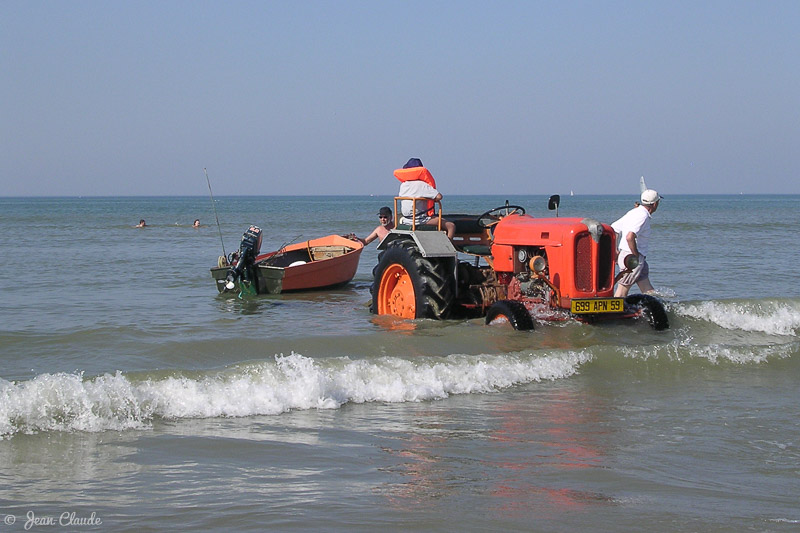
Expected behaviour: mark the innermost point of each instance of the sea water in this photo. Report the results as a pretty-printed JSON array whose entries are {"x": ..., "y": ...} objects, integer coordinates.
[{"x": 134, "y": 397}]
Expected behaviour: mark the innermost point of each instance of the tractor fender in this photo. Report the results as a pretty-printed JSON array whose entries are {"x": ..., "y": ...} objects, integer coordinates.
[{"x": 429, "y": 243}]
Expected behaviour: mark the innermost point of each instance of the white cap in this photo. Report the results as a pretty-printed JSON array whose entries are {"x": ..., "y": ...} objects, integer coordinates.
[{"x": 649, "y": 197}]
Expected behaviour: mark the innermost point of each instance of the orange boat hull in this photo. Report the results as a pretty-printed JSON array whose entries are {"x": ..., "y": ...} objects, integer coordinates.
[{"x": 314, "y": 264}]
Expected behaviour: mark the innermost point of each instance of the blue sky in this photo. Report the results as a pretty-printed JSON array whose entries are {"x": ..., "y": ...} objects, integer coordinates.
[{"x": 329, "y": 97}]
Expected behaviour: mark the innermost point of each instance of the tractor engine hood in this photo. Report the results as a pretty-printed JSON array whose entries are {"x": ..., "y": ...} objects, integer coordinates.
[{"x": 525, "y": 230}]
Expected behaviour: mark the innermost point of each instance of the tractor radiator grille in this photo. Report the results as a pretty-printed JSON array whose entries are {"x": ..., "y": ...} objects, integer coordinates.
[
  {"x": 605, "y": 263},
  {"x": 593, "y": 263},
  {"x": 583, "y": 262}
]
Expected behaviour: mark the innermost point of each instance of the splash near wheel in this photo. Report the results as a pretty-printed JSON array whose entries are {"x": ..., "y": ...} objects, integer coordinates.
[
  {"x": 651, "y": 308},
  {"x": 407, "y": 285},
  {"x": 509, "y": 312}
]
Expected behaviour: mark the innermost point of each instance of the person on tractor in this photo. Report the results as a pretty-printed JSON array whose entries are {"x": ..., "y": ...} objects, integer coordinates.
[
  {"x": 416, "y": 181},
  {"x": 634, "y": 231}
]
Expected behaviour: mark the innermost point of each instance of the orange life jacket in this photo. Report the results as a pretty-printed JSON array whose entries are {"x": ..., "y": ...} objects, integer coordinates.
[{"x": 418, "y": 174}]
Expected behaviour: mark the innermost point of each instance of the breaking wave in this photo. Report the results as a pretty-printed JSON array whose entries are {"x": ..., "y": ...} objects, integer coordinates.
[
  {"x": 774, "y": 317},
  {"x": 685, "y": 349},
  {"x": 69, "y": 402}
]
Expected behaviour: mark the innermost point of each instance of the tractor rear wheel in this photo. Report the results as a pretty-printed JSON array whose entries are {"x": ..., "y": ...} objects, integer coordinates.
[
  {"x": 652, "y": 309},
  {"x": 408, "y": 285},
  {"x": 511, "y": 312}
]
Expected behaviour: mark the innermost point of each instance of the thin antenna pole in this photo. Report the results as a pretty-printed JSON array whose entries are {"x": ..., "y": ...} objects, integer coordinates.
[{"x": 214, "y": 205}]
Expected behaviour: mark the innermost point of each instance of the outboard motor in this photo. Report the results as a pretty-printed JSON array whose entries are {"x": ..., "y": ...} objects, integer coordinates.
[{"x": 248, "y": 251}]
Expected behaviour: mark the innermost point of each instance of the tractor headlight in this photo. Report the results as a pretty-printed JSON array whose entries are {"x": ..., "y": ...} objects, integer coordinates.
[{"x": 538, "y": 264}]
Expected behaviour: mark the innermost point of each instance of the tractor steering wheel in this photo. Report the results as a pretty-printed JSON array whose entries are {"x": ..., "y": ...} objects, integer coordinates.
[{"x": 493, "y": 216}]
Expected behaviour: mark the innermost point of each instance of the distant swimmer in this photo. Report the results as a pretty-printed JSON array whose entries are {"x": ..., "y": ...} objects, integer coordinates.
[
  {"x": 141, "y": 224},
  {"x": 196, "y": 223}
]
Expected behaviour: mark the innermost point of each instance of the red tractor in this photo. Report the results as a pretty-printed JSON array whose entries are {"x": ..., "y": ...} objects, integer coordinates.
[{"x": 505, "y": 265}]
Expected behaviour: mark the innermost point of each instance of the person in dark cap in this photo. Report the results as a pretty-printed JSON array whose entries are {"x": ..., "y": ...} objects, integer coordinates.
[{"x": 386, "y": 225}]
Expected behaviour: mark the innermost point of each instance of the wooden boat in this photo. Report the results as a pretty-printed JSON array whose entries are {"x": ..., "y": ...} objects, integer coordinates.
[{"x": 314, "y": 264}]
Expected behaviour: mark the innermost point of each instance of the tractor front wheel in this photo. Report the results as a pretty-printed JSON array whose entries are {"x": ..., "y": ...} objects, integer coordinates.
[
  {"x": 511, "y": 312},
  {"x": 652, "y": 309}
]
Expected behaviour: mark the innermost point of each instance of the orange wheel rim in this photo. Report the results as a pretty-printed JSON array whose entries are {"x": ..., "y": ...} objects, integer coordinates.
[
  {"x": 500, "y": 319},
  {"x": 396, "y": 293}
]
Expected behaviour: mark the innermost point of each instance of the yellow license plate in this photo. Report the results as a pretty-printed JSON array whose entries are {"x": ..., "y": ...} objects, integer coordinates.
[{"x": 581, "y": 306}]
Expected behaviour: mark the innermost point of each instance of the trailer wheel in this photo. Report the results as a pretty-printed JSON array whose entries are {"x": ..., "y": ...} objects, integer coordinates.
[
  {"x": 407, "y": 285},
  {"x": 512, "y": 312},
  {"x": 652, "y": 309}
]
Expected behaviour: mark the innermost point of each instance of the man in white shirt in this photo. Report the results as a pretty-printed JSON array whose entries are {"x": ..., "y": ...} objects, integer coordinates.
[
  {"x": 634, "y": 231},
  {"x": 417, "y": 189}
]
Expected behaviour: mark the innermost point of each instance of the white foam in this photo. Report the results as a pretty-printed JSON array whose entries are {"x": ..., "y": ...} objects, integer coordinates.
[
  {"x": 686, "y": 348},
  {"x": 68, "y": 402},
  {"x": 775, "y": 318}
]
